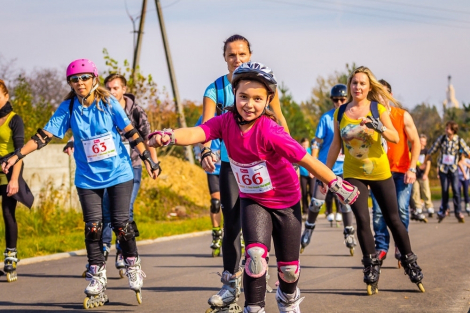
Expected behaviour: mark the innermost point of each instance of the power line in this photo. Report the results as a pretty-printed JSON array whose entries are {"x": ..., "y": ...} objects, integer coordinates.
[
  {"x": 364, "y": 14},
  {"x": 422, "y": 6}
]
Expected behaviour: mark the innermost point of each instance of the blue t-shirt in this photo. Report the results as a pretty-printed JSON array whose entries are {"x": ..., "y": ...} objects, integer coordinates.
[
  {"x": 229, "y": 100},
  {"x": 91, "y": 123},
  {"x": 303, "y": 170},
  {"x": 325, "y": 131},
  {"x": 215, "y": 147}
]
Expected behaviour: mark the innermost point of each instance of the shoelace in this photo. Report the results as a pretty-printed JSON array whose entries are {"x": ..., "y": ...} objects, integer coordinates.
[{"x": 133, "y": 271}]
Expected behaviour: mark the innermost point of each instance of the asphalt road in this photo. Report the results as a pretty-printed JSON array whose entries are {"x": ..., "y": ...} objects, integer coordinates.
[{"x": 181, "y": 276}]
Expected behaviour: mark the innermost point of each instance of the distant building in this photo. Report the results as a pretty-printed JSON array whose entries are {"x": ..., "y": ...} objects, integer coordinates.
[{"x": 450, "y": 102}]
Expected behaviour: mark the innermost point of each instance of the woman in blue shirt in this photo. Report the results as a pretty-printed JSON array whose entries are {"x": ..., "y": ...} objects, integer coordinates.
[{"x": 101, "y": 163}]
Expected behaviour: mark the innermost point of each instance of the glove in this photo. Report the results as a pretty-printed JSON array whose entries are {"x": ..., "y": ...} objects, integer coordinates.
[
  {"x": 205, "y": 152},
  {"x": 68, "y": 145},
  {"x": 375, "y": 124},
  {"x": 346, "y": 192}
]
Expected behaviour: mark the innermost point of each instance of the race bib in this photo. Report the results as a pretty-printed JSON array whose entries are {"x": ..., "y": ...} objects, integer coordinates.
[
  {"x": 421, "y": 158},
  {"x": 99, "y": 148},
  {"x": 252, "y": 178},
  {"x": 448, "y": 159}
]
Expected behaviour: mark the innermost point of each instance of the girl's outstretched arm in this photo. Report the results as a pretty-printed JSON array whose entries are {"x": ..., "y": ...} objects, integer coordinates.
[
  {"x": 181, "y": 137},
  {"x": 317, "y": 168}
]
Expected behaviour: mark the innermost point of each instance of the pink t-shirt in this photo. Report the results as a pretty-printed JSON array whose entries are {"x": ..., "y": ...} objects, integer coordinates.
[{"x": 265, "y": 141}]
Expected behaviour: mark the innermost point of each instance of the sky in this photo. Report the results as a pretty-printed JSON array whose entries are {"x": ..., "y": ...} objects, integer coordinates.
[{"x": 413, "y": 45}]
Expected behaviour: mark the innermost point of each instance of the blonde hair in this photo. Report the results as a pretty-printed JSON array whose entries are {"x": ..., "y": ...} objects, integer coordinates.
[
  {"x": 100, "y": 93},
  {"x": 3, "y": 87},
  {"x": 378, "y": 91}
]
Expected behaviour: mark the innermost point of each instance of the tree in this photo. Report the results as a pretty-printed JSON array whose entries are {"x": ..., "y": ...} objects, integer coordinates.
[{"x": 298, "y": 125}]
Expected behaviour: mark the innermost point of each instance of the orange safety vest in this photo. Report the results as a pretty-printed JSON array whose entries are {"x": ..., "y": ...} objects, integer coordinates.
[{"x": 399, "y": 154}]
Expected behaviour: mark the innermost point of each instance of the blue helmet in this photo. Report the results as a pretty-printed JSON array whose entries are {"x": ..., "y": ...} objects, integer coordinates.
[{"x": 339, "y": 91}]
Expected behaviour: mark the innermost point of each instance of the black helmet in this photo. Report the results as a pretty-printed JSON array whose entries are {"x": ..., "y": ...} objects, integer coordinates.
[
  {"x": 339, "y": 91},
  {"x": 255, "y": 70}
]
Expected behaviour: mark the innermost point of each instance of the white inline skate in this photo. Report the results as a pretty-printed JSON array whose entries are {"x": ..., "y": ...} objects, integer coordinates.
[
  {"x": 349, "y": 239},
  {"x": 96, "y": 297},
  {"x": 136, "y": 276},
  {"x": 225, "y": 300},
  {"x": 288, "y": 303}
]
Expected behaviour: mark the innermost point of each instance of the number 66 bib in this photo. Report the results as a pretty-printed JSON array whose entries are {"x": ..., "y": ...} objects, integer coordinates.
[
  {"x": 99, "y": 148},
  {"x": 253, "y": 177}
]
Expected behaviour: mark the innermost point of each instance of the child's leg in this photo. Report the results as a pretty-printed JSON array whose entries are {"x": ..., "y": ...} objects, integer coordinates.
[{"x": 257, "y": 229}]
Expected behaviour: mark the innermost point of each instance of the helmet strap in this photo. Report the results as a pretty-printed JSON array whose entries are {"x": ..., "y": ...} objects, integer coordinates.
[{"x": 89, "y": 94}]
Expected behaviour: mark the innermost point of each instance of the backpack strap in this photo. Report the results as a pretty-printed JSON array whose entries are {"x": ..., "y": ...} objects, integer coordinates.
[
  {"x": 71, "y": 110},
  {"x": 341, "y": 111},
  {"x": 374, "y": 109},
  {"x": 220, "y": 95}
]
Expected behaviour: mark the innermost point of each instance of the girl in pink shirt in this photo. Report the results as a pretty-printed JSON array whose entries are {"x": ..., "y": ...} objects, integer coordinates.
[{"x": 261, "y": 155}]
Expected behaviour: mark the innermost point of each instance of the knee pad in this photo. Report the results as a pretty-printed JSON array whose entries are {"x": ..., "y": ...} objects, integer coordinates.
[
  {"x": 124, "y": 231},
  {"x": 345, "y": 208},
  {"x": 93, "y": 231},
  {"x": 255, "y": 263},
  {"x": 134, "y": 227},
  {"x": 289, "y": 271},
  {"x": 315, "y": 205},
  {"x": 215, "y": 206}
]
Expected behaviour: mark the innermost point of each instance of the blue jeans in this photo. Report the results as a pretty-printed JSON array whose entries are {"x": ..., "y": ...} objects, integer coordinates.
[
  {"x": 382, "y": 236},
  {"x": 452, "y": 179},
  {"x": 107, "y": 231}
]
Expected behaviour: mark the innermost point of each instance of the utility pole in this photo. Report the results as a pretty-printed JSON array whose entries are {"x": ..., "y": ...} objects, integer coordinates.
[
  {"x": 179, "y": 108},
  {"x": 139, "y": 40}
]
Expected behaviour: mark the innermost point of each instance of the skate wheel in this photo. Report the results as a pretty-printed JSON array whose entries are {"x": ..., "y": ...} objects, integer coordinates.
[
  {"x": 425, "y": 220},
  {"x": 215, "y": 253},
  {"x": 209, "y": 310},
  {"x": 302, "y": 250},
  {"x": 399, "y": 264},
  {"x": 371, "y": 290},
  {"x": 84, "y": 274},
  {"x": 351, "y": 251},
  {"x": 421, "y": 287},
  {"x": 11, "y": 277},
  {"x": 86, "y": 304},
  {"x": 122, "y": 272},
  {"x": 138, "y": 295}
]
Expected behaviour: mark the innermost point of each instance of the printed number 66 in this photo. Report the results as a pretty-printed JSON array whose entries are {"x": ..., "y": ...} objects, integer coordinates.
[{"x": 257, "y": 179}]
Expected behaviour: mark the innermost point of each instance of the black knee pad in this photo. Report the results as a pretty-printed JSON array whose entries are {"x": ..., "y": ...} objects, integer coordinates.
[
  {"x": 124, "y": 231},
  {"x": 93, "y": 231},
  {"x": 215, "y": 206},
  {"x": 134, "y": 227}
]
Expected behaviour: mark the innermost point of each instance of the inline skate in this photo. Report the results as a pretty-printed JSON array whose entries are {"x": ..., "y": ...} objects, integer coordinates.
[
  {"x": 216, "y": 241},
  {"x": 95, "y": 295},
  {"x": 467, "y": 208},
  {"x": 106, "y": 250},
  {"x": 430, "y": 212},
  {"x": 253, "y": 309},
  {"x": 225, "y": 300},
  {"x": 119, "y": 261},
  {"x": 136, "y": 276},
  {"x": 288, "y": 303},
  {"x": 9, "y": 267},
  {"x": 413, "y": 270},
  {"x": 371, "y": 273},
  {"x": 349, "y": 239},
  {"x": 417, "y": 215},
  {"x": 306, "y": 236}
]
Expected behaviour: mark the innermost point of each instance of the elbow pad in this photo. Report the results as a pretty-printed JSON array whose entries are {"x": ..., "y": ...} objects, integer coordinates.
[{"x": 41, "y": 141}]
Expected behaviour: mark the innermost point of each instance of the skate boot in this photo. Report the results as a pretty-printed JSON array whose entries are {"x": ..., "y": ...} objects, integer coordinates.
[
  {"x": 9, "y": 267},
  {"x": 441, "y": 215},
  {"x": 254, "y": 309},
  {"x": 95, "y": 296},
  {"x": 330, "y": 218},
  {"x": 216, "y": 241},
  {"x": 349, "y": 239},
  {"x": 136, "y": 276},
  {"x": 106, "y": 250},
  {"x": 120, "y": 264},
  {"x": 430, "y": 212},
  {"x": 288, "y": 303},
  {"x": 371, "y": 273},
  {"x": 306, "y": 236},
  {"x": 460, "y": 218},
  {"x": 398, "y": 256},
  {"x": 467, "y": 208},
  {"x": 417, "y": 215},
  {"x": 413, "y": 270},
  {"x": 338, "y": 219},
  {"x": 225, "y": 300}
]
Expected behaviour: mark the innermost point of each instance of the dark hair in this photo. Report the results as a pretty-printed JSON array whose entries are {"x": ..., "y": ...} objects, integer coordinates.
[
  {"x": 453, "y": 126},
  {"x": 386, "y": 84},
  {"x": 114, "y": 76},
  {"x": 305, "y": 139},
  {"x": 3, "y": 87},
  {"x": 234, "y": 38}
]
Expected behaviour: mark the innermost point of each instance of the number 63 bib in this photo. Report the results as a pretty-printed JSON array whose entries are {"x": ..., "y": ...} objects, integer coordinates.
[
  {"x": 253, "y": 177},
  {"x": 99, "y": 148}
]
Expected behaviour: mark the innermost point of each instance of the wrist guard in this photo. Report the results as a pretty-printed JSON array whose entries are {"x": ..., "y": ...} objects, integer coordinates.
[
  {"x": 166, "y": 131},
  {"x": 205, "y": 152},
  {"x": 147, "y": 158},
  {"x": 68, "y": 145},
  {"x": 375, "y": 124},
  {"x": 7, "y": 157},
  {"x": 41, "y": 141},
  {"x": 344, "y": 190}
]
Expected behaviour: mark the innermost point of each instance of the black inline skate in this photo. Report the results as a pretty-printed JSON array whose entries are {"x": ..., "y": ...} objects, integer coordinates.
[
  {"x": 417, "y": 215},
  {"x": 306, "y": 236},
  {"x": 413, "y": 270},
  {"x": 216, "y": 241},
  {"x": 371, "y": 273},
  {"x": 11, "y": 258}
]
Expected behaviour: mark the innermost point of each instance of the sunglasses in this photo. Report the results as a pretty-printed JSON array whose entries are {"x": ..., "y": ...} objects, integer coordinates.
[
  {"x": 338, "y": 99},
  {"x": 83, "y": 78}
]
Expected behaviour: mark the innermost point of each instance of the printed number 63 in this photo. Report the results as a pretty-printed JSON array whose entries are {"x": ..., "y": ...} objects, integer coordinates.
[{"x": 96, "y": 147}]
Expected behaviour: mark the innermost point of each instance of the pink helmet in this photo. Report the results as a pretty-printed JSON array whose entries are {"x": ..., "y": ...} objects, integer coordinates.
[{"x": 82, "y": 66}]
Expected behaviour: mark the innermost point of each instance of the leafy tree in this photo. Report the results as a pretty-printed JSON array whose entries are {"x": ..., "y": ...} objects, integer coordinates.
[{"x": 298, "y": 125}]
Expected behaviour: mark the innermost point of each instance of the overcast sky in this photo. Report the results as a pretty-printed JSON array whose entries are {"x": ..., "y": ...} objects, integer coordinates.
[{"x": 414, "y": 45}]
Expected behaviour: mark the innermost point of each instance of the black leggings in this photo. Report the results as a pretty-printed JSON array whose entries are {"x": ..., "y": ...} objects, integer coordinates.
[
  {"x": 306, "y": 187},
  {"x": 11, "y": 227},
  {"x": 120, "y": 199},
  {"x": 259, "y": 224},
  {"x": 230, "y": 199},
  {"x": 384, "y": 192}
]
